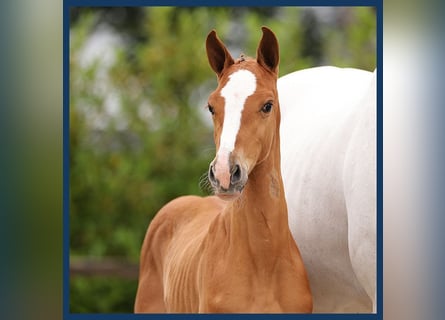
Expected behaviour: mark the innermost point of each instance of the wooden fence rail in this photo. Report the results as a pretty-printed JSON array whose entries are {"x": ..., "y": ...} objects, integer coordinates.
[{"x": 104, "y": 267}]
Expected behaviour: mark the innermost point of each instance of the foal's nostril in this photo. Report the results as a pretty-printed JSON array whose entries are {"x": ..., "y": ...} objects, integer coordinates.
[
  {"x": 236, "y": 174},
  {"x": 211, "y": 174}
]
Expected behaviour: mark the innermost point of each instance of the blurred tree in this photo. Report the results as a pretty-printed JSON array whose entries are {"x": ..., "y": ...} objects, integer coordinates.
[
  {"x": 312, "y": 39},
  {"x": 139, "y": 134}
]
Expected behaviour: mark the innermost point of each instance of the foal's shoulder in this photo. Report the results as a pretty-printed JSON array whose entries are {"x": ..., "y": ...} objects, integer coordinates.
[{"x": 193, "y": 211}]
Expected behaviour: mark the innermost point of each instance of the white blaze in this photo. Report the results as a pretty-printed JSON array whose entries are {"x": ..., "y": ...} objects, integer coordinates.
[{"x": 240, "y": 86}]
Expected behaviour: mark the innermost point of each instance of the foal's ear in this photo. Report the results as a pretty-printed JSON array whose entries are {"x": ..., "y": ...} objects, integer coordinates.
[
  {"x": 217, "y": 53},
  {"x": 268, "y": 53}
]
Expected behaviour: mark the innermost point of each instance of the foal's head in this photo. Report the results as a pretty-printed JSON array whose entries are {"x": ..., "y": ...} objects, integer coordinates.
[{"x": 245, "y": 112}]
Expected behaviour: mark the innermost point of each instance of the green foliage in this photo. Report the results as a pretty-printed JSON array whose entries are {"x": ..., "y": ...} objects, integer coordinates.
[
  {"x": 355, "y": 45},
  {"x": 101, "y": 295},
  {"x": 127, "y": 161}
]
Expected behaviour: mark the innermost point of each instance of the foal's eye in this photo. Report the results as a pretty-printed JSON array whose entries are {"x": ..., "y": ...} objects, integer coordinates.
[
  {"x": 267, "y": 107},
  {"x": 211, "y": 110}
]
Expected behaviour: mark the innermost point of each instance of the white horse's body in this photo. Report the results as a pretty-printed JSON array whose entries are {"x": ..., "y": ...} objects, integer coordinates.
[{"x": 328, "y": 156}]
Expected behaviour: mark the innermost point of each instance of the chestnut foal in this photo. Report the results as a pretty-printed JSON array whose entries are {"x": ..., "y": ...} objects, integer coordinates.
[{"x": 232, "y": 252}]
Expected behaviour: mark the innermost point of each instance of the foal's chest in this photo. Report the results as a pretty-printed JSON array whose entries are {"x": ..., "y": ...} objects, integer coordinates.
[{"x": 248, "y": 290}]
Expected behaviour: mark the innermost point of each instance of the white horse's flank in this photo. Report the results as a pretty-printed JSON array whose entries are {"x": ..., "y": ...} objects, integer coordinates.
[{"x": 328, "y": 156}]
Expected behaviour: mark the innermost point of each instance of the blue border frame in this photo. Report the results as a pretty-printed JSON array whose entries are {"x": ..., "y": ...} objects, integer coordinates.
[
  {"x": 379, "y": 186},
  {"x": 67, "y": 4},
  {"x": 66, "y": 162},
  {"x": 223, "y": 3}
]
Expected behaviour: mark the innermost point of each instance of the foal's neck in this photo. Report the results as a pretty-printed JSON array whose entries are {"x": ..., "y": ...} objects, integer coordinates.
[{"x": 260, "y": 214}]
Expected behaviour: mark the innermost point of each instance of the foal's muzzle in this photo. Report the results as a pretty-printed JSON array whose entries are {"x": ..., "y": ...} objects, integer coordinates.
[{"x": 227, "y": 179}]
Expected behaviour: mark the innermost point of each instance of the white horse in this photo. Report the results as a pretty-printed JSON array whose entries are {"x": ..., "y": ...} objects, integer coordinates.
[{"x": 328, "y": 156}]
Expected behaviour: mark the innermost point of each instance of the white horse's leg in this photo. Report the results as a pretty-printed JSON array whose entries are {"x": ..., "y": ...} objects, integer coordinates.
[{"x": 360, "y": 194}]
